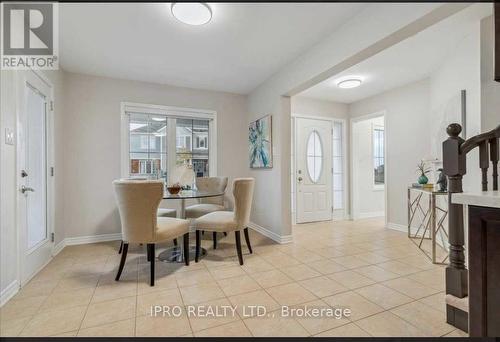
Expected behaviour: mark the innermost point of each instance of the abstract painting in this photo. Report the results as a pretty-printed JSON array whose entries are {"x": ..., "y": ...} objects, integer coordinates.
[{"x": 261, "y": 143}]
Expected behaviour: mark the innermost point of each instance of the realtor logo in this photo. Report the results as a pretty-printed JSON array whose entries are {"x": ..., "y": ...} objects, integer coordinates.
[{"x": 29, "y": 36}]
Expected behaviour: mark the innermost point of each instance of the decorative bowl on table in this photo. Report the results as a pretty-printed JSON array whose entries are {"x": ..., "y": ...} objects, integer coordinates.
[{"x": 174, "y": 189}]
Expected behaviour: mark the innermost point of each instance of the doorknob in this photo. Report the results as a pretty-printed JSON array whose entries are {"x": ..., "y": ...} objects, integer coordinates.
[
  {"x": 300, "y": 179},
  {"x": 24, "y": 189},
  {"x": 24, "y": 173}
]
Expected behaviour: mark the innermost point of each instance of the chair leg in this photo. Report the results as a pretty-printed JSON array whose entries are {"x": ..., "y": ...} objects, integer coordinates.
[
  {"x": 175, "y": 242},
  {"x": 197, "y": 253},
  {"x": 238, "y": 246},
  {"x": 122, "y": 261},
  {"x": 151, "y": 254},
  {"x": 186, "y": 249},
  {"x": 247, "y": 239},
  {"x": 214, "y": 237},
  {"x": 121, "y": 247}
]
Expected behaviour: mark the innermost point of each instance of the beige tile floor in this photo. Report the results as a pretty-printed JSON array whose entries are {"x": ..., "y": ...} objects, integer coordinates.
[{"x": 389, "y": 286}]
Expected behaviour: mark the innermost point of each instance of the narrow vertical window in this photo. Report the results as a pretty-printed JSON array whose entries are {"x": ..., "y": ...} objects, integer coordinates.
[{"x": 378, "y": 156}]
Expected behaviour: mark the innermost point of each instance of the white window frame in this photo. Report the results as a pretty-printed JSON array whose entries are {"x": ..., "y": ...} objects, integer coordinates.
[
  {"x": 377, "y": 187},
  {"x": 171, "y": 112}
]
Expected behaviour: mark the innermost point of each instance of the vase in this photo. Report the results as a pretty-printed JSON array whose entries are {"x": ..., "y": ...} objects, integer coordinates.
[{"x": 423, "y": 179}]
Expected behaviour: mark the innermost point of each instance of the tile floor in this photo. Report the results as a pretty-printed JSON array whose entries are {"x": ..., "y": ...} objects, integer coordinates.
[{"x": 389, "y": 286}]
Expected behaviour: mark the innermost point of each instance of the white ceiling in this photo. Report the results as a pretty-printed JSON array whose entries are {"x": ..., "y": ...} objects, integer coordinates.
[
  {"x": 409, "y": 61},
  {"x": 241, "y": 47}
]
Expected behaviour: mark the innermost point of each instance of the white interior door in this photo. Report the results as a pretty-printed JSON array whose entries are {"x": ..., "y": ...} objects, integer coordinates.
[
  {"x": 35, "y": 236},
  {"x": 313, "y": 172}
]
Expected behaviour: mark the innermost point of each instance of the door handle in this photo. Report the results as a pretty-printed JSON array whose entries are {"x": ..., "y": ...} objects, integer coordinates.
[
  {"x": 299, "y": 179},
  {"x": 24, "y": 189}
]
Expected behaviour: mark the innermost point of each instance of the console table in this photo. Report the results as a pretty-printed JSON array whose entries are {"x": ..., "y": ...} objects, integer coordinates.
[
  {"x": 484, "y": 261},
  {"x": 431, "y": 221}
]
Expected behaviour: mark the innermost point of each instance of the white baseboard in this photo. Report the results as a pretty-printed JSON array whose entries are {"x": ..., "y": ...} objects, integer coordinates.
[
  {"x": 81, "y": 240},
  {"x": 9, "y": 292},
  {"x": 59, "y": 247},
  {"x": 360, "y": 216},
  {"x": 397, "y": 226},
  {"x": 272, "y": 235}
]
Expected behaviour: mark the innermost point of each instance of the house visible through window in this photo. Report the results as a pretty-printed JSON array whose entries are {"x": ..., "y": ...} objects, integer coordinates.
[
  {"x": 152, "y": 146},
  {"x": 378, "y": 155}
]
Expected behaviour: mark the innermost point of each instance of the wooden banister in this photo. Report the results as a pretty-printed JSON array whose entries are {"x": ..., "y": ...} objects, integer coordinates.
[
  {"x": 455, "y": 151},
  {"x": 494, "y": 156}
]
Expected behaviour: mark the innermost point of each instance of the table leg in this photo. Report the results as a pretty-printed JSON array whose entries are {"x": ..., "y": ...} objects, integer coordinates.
[
  {"x": 176, "y": 254},
  {"x": 409, "y": 215},
  {"x": 433, "y": 226}
]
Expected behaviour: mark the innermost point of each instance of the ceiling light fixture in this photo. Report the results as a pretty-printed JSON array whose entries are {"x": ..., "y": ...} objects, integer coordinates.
[
  {"x": 350, "y": 82},
  {"x": 192, "y": 13}
]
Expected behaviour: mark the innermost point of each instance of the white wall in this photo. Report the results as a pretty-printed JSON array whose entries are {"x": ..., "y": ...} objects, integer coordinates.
[
  {"x": 372, "y": 30},
  {"x": 313, "y": 107},
  {"x": 460, "y": 70},
  {"x": 368, "y": 201},
  {"x": 8, "y": 241},
  {"x": 490, "y": 90},
  {"x": 92, "y": 146},
  {"x": 407, "y": 139}
]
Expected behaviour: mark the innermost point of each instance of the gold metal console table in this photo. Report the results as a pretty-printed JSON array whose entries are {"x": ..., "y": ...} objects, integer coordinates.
[{"x": 431, "y": 222}]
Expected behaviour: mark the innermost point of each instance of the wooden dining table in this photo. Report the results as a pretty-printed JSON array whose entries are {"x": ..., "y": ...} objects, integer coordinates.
[{"x": 176, "y": 254}]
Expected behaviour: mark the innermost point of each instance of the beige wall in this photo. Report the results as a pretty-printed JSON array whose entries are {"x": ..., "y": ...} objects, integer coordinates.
[
  {"x": 406, "y": 113},
  {"x": 92, "y": 142}
]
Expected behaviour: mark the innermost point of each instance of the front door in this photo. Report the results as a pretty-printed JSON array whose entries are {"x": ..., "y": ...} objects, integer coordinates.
[
  {"x": 35, "y": 236},
  {"x": 313, "y": 172}
]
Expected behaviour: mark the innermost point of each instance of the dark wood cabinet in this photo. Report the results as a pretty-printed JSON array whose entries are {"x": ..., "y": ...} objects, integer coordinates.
[{"x": 484, "y": 271}]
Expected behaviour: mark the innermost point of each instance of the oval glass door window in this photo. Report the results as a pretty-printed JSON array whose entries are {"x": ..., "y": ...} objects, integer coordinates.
[{"x": 314, "y": 156}]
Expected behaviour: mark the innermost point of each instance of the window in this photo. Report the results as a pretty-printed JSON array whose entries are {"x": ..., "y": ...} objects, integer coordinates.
[
  {"x": 157, "y": 143},
  {"x": 378, "y": 155},
  {"x": 338, "y": 166},
  {"x": 314, "y": 156},
  {"x": 147, "y": 145},
  {"x": 193, "y": 130}
]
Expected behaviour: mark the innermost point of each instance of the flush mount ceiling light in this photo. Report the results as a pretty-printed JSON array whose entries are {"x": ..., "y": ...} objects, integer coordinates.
[
  {"x": 351, "y": 82},
  {"x": 192, "y": 13}
]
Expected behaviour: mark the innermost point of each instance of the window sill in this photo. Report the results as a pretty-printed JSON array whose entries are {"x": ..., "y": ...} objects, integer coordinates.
[{"x": 378, "y": 187}]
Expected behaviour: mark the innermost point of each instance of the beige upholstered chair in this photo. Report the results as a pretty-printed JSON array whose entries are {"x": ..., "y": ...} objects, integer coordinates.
[
  {"x": 138, "y": 204},
  {"x": 164, "y": 212},
  {"x": 227, "y": 221},
  {"x": 209, "y": 204}
]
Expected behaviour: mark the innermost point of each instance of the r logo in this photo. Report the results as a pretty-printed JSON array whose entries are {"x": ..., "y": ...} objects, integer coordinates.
[{"x": 28, "y": 29}]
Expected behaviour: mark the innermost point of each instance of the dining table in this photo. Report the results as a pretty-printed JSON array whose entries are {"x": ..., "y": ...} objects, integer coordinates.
[{"x": 175, "y": 254}]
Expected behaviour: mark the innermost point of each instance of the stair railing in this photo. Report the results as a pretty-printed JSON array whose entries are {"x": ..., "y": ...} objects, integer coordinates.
[{"x": 455, "y": 151}]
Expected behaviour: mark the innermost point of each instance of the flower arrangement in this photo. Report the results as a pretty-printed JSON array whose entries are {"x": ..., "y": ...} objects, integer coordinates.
[{"x": 422, "y": 169}]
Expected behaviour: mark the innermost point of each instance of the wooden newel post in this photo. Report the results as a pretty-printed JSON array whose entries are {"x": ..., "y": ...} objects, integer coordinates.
[{"x": 454, "y": 166}]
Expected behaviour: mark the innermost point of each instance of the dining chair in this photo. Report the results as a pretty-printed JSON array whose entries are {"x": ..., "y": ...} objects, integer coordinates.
[
  {"x": 227, "y": 221},
  {"x": 208, "y": 204},
  {"x": 162, "y": 212},
  {"x": 138, "y": 203}
]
